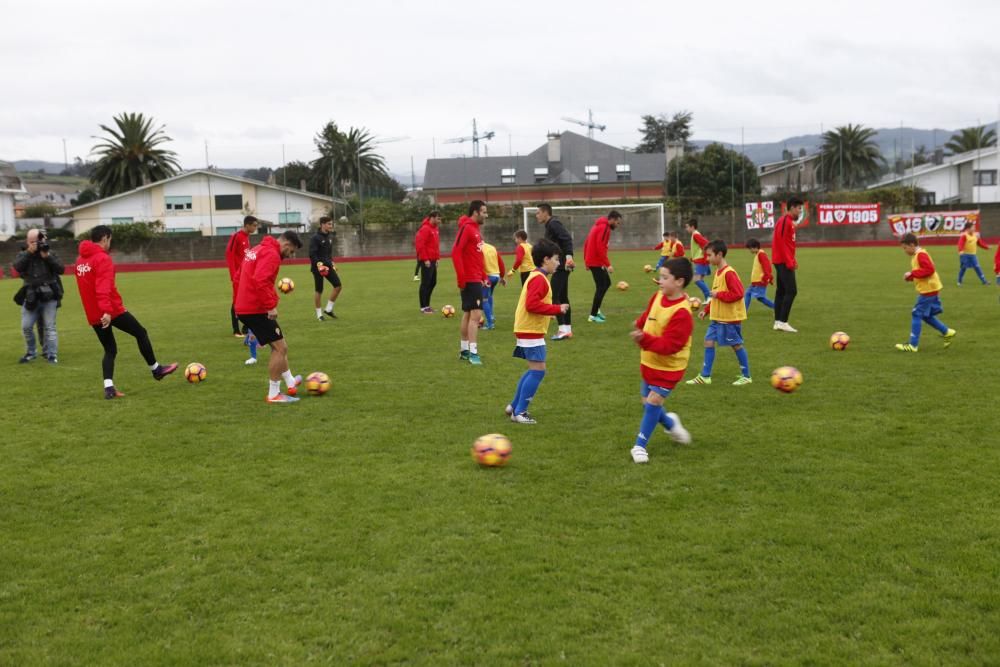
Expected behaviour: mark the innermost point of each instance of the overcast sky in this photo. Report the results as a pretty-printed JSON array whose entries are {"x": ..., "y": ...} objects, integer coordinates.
[{"x": 251, "y": 76}]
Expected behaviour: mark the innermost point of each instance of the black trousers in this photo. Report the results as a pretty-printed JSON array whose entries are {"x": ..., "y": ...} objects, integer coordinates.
[
  {"x": 785, "y": 293},
  {"x": 560, "y": 293},
  {"x": 125, "y": 322},
  {"x": 236, "y": 322},
  {"x": 602, "y": 282},
  {"x": 428, "y": 281},
  {"x": 524, "y": 277}
]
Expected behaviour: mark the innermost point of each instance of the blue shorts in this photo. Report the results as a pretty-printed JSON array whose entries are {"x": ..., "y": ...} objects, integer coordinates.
[
  {"x": 702, "y": 269},
  {"x": 723, "y": 334},
  {"x": 536, "y": 353},
  {"x": 757, "y": 291},
  {"x": 928, "y": 306},
  {"x": 645, "y": 388},
  {"x": 966, "y": 261}
]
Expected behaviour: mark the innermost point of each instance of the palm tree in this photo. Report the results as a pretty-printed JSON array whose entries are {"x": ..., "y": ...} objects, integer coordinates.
[
  {"x": 342, "y": 154},
  {"x": 970, "y": 139},
  {"x": 129, "y": 157},
  {"x": 849, "y": 156}
]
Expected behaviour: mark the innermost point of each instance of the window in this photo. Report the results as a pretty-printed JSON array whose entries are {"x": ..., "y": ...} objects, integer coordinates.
[
  {"x": 182, "y": 230},
  {"x": 290, "y": 217},
  {"x": 228, "y": 202},
  {"x": 926, "y": 198},
  {"x": 177, "y": 203},
  {"x": 623, "y": 172},
  {"x": 541, "y": 174},
  {"x": 221, "y": 231},
  {"x": 508, "y": 176},
  {"x": 985, "y": 177},
  {"x": 592, "y": 172},
  {"x": 121, "y": 221}
]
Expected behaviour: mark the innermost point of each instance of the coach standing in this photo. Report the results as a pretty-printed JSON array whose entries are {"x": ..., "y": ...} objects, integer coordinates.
[
  {"x": 555, "y": 232},
  {"x": 595, "y": 256},
  {"x": 470, "y": 272},
  {"x": 428, "y": 245},
  {"x": 783, "y": 258},
  {"x": 238, "y": 244}
]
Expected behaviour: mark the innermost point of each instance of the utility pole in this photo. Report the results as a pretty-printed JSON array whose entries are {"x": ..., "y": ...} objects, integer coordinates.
[{"x": 65, "y": 155}]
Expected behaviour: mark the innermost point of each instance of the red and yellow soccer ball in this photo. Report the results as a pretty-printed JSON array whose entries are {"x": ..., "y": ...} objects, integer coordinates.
[
  {"x": 786, "y": 379},
  {"x": 448, "y": 311},
  {"x": 491, "y": 450},
  {"x": 622, "y": 285},
  {"x": 195, "y": 373},
  {"x": 648, "y": 268},
  {"x": 317, "y": 383},
  {"x": 286, "y": 285},
  {"x": 839, "y": 341},
  {"x": 695, "y": 302}
]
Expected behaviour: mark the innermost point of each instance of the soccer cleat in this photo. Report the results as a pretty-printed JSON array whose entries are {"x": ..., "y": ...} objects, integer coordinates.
[
  {"x": 427, "y": 310},
  {"x": 320, "y": 318},
  {"x": 463, "y": 355},
  {"x": 282, "y": 398},
  {"x": 523, "y": 418},
  {"x": 237, "y": 334},
  {"x": 597, "y": 319},
  {"x": 640, "y": 455},
  {"x": 111, "y": 392},
  {"x": 563, "y": 335},
  {"x": 294, "y": 389},
  {"x": 678, "y": 432},
  {"x": 251, "y": 361},
  {"x": 948, "y": 336},
  {"x": 52, "y": 359},
  {"x": 26, "y": 358},
  {"x": 475, "y": 360},
  {"x": 906, "y": 347},
  {"x": 416, "y": 279},
  {"x": 777, "y": 325},
  {"x": 329, "y": 313},
  {"x": 742, "y": 380},
  {"x": 164, "y": 371},
  {"x": 785, "y": 326},
  {"x": 699, "y": 379}
]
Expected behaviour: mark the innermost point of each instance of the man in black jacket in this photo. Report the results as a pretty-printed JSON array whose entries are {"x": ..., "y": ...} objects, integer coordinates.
[
  {"x": 555, "y": 232},
  {"x": 40, "y": 295},
  {"x": 321, "y": 263}
]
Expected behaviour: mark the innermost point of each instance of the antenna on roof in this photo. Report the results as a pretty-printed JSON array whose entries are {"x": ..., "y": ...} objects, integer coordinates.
[
  {"x": 589, "y": 123},
  {"x": 475, "y": 139}
]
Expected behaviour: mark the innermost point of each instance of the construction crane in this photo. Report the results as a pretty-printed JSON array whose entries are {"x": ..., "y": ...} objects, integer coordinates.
[
  {"x": 475, "y": 138},
  {"x": 589, "y": 123}
]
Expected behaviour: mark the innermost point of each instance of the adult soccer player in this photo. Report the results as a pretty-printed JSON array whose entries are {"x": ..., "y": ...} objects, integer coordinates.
[
  {"x": 257, "y": 308},
  {"x": 556, "y": 232},
  {"x": 470, "y": 272},
  {"x": 322, "y": 266},
  {"x": 595, "y": 256},
  {"x": 238, "y": 244},
  {"x": 783, "y": 258},
  {"x": 95, "y": 279},
  {"x": 428, "y": 245}
]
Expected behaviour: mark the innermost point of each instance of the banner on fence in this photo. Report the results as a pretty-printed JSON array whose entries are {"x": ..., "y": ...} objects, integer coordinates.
[
  {"x": 760, "y": 214},
  {"x": 803, "y": 216},
  {"x": 848, "y": 214},
  {"x": 934, "y": 224}
]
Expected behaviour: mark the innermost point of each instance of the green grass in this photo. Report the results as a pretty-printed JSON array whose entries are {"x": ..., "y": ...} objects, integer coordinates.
[{"x": 855, "y": 521}]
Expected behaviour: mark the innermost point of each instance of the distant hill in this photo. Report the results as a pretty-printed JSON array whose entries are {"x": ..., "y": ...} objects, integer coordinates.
[{"x": 38, "y": 165}]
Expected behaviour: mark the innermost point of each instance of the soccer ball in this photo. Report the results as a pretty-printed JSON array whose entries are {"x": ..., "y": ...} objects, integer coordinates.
[
  {"x": 195, "y": 373},
  {"x": 648, "y": 268},
  {"x": 491, "y": 450},
  {"x": 286, "y": 285},
  {"x": 695, "y": 302},
  {"x": 839, "y": 341},
  {"x": 448, "y": 311},
  {"x": 786, "y": 379},
  {"x": 317, "y": 383},
  {"x": 622, "y": 285}
]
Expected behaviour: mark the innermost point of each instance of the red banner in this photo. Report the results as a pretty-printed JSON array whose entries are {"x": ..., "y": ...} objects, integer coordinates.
[
  {"x": 803, "y": 216},
  {"x": 848, "y": 214},
  {"x": 938, "y": 223}
]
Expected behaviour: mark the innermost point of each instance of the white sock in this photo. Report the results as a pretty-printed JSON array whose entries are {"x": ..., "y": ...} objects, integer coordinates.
[
  {"x": 319, "y": 312},
  {"x": 569, "y": 328},
  {"x": 154, "y": 366},
  {"x": 473, "y": 348},
  {"x": 465, "y": 346},
  {"x": 108, "y": 382},
  {"x": 273, "y": 388},
  {"x": 563, "y": 328},
  {"x": 329, "y": 306},
  {"x": 289, "y": 378}
]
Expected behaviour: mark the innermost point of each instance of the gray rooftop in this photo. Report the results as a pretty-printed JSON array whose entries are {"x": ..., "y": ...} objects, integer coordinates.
[{"x": 9, "y": 180}]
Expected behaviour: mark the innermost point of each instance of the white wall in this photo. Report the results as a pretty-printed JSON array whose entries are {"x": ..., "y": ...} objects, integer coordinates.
[
  {"x": 137, "y": 206},
  {"x": 6, "y": 215},
  {"x": 271, "y": 202}
]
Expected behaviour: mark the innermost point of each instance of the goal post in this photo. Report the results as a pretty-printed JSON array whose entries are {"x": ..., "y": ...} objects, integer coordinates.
[{"x": 642, "y": 225}]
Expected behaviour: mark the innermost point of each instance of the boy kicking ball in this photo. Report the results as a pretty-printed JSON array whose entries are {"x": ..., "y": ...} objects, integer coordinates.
[
  {"x": 925, "y": 278},
  {"x": 663, "y": 333}
]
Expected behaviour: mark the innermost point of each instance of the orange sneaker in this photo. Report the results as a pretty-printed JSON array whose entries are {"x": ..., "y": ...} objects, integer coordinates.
[
  {"x": 294, "y": 390},
  {"x": 282, "y": 398}
]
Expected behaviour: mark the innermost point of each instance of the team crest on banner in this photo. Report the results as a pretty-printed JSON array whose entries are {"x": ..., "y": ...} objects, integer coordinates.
[
  {"x": 760, "y": 214},
  {"x": 937, "y": 223},
  {"x": 803, "y": 216}
]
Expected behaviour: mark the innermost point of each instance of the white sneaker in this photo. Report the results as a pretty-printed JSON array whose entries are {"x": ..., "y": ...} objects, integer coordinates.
[
  {"x": 777, "y": 325},
  {"x": 250, "y": 362},
  {"x": 785, "y": 326},
  {"x": 509, "y": 410},
  {"x": 678, "y": 432},
  {"x": 639, "y": 454},
  {"x": 523, "y": 418}
]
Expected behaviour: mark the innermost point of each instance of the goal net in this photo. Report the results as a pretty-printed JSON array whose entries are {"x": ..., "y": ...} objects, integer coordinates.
[{"x": 642, "y": 225}]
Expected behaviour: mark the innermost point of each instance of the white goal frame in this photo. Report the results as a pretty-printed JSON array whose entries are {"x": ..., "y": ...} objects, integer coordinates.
[{"x": 606, "y": 206}]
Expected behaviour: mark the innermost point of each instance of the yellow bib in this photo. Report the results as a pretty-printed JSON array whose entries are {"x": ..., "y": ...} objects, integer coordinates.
[
  {"x": 527, "y": 264},
  {"x": 490, "y": 262},
  {"x": 971, "y": 244},
  {"x": 757, "y": 272},
  {"x": 720, "y": 310},
  {"x": 526, "y": 322},
  {"x": 929, "y": 284},
  {"x": 659, "y": 316}
]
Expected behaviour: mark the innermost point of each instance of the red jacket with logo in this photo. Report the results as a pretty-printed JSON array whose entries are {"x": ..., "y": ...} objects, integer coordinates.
[
  {"x": 783, "y": 244},
  {"x": 428, "y": 242},
  {"x": 256, "y": 293},
  {"x": 467, "y": 253},
  {"x": 595, "y": 248},
  {"x": 238, "y": 244},
  {"x": 95, "y": 278}
]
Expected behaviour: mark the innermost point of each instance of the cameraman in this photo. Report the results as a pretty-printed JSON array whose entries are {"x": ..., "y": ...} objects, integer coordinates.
[{"x": 40, "y": 295}]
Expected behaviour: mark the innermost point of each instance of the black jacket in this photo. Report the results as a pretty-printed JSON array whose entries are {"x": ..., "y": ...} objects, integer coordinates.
[
  {"x": 36, "y": 270},
  {"x": 321, "y": 249},
  {"x": 555, "y": 232}
]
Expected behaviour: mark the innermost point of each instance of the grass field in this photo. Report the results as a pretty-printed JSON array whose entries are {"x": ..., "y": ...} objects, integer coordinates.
[{"x": 856, "y": 521}]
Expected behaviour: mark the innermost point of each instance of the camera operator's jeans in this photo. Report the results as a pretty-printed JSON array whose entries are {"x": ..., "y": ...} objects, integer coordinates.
[{"x": 47, "y": 313}]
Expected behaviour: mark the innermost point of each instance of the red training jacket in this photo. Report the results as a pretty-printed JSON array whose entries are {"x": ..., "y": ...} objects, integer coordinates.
[
  {"x": 783, "y": 243},
  {"x": 95, "y": 278},
  {"x": 675, "y": 336},
  {"x": 428, "y": 242},
  {"x": 595, "y": 248},
  {"x": 256, "y": 294},
  {"x": 238, "y": 244},
  {"x": 996, "y": 261},
  {"x": 467, "y": 253}
]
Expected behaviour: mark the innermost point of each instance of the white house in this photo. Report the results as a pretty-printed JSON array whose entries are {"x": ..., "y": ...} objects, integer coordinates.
[
  {"x": 10, "y": 186},
  {"x": 204, "y": 201},
  {"x": 966, "y": 178}
]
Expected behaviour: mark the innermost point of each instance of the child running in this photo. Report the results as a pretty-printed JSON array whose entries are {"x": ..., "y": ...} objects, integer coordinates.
[
  {"x": 761, "y": 276},
  {"x": 925, "y": 278}
]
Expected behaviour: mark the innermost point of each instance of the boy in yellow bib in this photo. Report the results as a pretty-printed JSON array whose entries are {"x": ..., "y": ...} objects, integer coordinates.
[
  {"x": 925, "y": 278},
  {"x": 968, "y": 243}
]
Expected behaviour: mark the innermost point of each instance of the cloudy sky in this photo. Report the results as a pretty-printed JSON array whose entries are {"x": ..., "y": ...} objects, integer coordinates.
[{"x": 250, "y": 77}]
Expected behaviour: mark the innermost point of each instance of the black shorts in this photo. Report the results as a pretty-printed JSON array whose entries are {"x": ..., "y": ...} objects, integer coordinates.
[
  {"x": 264, "y": 329},
  {"x": 472, "y": 297},
  {"x": 332, "y": 277}
]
